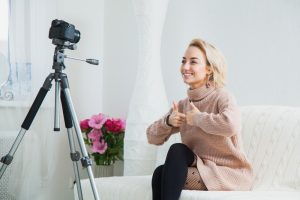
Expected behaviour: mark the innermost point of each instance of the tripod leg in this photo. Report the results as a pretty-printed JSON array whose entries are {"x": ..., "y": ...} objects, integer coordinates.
[
  {"x": 85, "y": 160},
  {"x": 7, "y": 159},
  {"x": 75, "y": 155},
  {"x": 56, "y": 110}
]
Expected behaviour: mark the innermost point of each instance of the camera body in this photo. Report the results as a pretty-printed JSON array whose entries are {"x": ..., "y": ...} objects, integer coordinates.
[{"x": 63, "y": 31}]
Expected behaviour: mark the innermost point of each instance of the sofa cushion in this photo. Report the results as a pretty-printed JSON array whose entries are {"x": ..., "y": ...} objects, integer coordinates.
[
  {"x": 271, "y": 136},
  {"x": 139, "y": 188}
]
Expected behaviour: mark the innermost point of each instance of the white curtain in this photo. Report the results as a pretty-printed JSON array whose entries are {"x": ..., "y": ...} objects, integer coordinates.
[
  {"x": 149, "y": 101},
  {"x": 41, "y": 168},
  {"x": 19, "y": 54}
]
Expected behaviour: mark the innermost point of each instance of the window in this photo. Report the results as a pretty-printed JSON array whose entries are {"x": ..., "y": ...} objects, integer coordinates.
[
  {"x": 4, "y": 63},
  {"x": 15, "y": 43}
]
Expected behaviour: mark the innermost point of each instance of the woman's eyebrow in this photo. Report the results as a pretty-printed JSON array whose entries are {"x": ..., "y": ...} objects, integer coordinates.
[{"x": 191, "y": 58}]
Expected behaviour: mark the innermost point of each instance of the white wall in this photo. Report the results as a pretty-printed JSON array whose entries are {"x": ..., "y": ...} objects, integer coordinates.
[
  {"x": 120, "y": 56},
  {"x": 260, "y": 40}
]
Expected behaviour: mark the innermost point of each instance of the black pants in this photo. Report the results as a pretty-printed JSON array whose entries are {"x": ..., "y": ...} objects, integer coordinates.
[{"x": 169, "y": 179}]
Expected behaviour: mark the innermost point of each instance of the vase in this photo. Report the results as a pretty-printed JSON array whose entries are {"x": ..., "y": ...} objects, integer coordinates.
[{"x": 103, "y": 170}]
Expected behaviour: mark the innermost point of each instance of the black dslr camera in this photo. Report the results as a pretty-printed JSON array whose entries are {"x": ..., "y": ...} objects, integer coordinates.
[{"x": 63, "y": 31}]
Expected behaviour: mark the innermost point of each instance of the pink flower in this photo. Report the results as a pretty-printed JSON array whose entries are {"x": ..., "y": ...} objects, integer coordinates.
[
  {"x": 104, "y": 136},
  {"x": 95, "y": 135},
  {"x": 99, "y": 146},
  {"x": 115, "y": 125},
  {"x": 84, "y": 124},
  {"x": 97, "y": 121}
]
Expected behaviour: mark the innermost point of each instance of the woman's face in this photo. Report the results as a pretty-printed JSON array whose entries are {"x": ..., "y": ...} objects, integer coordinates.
[{"x": 194, "y": 67}]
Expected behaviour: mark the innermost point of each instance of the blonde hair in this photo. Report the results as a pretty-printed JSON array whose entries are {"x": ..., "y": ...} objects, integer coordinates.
[{"x": 215, "y": 61}]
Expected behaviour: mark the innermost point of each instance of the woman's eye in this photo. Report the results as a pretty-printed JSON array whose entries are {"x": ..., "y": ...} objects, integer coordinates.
[
  {"x": 183, "y": 61},
  {"x": 193, "y": 62}
]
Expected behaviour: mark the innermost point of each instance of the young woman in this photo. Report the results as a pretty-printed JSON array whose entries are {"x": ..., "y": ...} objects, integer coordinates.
[{"x": 210, "y": 156}]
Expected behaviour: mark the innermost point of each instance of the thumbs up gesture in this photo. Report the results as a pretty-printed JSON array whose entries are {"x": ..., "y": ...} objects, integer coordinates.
[
  {"x": 191, "y": 113},
  {"x": 176, "y": 118}
]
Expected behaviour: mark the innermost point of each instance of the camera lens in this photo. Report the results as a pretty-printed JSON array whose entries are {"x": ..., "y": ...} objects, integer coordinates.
[{"x": 76, "y": 36}]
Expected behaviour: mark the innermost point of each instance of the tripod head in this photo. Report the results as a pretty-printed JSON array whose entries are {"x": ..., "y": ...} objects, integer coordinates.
[{"x": 58, "y": 58}]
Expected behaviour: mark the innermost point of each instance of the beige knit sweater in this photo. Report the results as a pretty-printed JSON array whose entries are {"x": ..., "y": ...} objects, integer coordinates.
[{"x": 214, "y": 137}]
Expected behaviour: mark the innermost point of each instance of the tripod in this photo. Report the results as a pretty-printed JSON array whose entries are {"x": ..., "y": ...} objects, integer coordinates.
[{"x": 62, "y": 93}]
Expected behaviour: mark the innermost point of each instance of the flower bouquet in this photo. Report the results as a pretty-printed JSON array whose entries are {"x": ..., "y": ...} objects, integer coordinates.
[{"x": 105, "y": 136}]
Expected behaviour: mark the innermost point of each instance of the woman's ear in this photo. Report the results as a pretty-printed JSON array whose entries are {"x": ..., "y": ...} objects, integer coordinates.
[{"x": 208, "y": 70}]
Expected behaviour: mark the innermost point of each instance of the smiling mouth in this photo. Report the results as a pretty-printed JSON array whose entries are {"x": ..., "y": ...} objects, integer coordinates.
[{"x": 187, "y": 75}]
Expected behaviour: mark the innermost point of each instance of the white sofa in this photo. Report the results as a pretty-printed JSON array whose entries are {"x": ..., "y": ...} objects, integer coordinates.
[{"x": 271, "y": 137}]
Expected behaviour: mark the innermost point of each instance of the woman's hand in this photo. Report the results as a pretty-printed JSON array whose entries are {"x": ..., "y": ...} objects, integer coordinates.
[
  {"x": 191, "y": 114},
  {"x": 176, "y": 119}
]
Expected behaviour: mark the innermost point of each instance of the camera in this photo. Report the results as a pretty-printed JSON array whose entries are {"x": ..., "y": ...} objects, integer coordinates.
[{"x": 63, "y": 31}]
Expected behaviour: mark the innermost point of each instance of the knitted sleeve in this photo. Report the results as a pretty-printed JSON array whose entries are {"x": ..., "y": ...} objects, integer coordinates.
[
  {"x": 159, "y": 132},
  {"x": 226, "y": 122}
]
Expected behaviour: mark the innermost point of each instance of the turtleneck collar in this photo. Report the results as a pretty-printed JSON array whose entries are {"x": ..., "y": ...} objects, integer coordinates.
[{"x": 200, "y": 93}]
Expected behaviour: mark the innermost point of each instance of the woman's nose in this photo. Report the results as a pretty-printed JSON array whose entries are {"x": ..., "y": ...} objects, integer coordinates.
[{"x": 186, "y": 65}]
